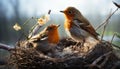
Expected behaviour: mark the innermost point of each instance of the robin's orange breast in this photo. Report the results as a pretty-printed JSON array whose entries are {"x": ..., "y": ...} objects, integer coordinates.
[{"x": 53, "y": 37}]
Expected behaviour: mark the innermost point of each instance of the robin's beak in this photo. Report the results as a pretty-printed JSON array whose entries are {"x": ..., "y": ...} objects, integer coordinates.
[
  {"x": 62, "y": 11},
  {"x": 58, "y": 25}
]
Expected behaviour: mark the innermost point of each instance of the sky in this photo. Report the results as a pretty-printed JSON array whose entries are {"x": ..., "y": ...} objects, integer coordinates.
[
  {"x": 85, "y": 6},
  {"x": 38, "y": 7}
]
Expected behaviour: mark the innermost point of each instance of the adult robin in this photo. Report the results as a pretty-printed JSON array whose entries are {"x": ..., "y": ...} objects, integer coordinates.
[{"x": 77, "y": 26}]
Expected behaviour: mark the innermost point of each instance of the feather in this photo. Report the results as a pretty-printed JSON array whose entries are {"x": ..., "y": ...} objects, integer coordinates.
[{"x": 87, "y": 27}]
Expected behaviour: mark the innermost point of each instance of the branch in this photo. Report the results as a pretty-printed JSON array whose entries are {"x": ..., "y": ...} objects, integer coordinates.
[
  {"x": 99, "y": 58},
  {"x": 105, "y": 25},
  {"x": 6, "y": 47},
  {"x": 117, "y": 5},
  {"x": 104, "y": 22},
  {"x": 49, "y": 11},
  {"x": 37, "y": 26},
  {"x": 113, "y": 37},
  {"x": 106, "y": 56}
]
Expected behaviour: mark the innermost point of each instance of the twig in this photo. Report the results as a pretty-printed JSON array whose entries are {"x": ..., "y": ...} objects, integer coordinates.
[
  {"x": 98, "y": 59},
  {"x": 34, "y": 31},
  {"x": 104, "y": 22},
  {"x": 49, "y": 11},
  {"x": 106, "y": 55},
  {"x": 105, "y": 25},
  {"x": 116, "y": 46},
  {"x": 16, "y": 56},
  {"x": 104, "y": 28},
  {"x": 35, "y": 28},
  {"x": 118, "y": 5},
  {"x": 6, "y": 47},
  {"x": 113, "y": 37},
  {"x": 103, "y": 63},
  {"x": 27, "y": 21}
]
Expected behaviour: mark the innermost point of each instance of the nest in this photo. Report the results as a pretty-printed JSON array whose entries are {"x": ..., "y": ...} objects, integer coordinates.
[{"x": 67, "y": 55}]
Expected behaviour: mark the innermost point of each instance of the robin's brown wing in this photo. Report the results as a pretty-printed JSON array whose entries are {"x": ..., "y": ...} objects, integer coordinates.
[{"x": 87, "y": 27}]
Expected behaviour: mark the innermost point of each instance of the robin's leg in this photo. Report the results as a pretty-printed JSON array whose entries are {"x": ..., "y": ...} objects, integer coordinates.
[
  {"x": 79, "y": 44},
  {"x": 76, "y": 45}
]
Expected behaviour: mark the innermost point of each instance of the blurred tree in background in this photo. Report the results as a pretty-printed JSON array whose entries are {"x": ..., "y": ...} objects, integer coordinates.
[{"x": 18, "y": 11}]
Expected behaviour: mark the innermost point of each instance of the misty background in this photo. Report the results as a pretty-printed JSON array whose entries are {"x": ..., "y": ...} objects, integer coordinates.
[{"x": 18, "y": 11}]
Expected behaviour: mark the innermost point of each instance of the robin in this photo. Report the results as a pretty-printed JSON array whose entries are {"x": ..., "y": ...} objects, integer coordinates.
[
  {"x": 47, "y": 39},
  {"x": 77, "y": 26}
]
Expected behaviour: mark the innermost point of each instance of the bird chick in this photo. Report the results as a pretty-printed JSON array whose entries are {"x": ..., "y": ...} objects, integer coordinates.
[{"x": 47, "y": 39}]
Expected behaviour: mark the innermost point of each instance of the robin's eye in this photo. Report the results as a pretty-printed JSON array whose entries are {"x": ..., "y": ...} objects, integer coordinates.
[
  {"x": 50, "y": 28},
  {"x": 70, "y": 12}
]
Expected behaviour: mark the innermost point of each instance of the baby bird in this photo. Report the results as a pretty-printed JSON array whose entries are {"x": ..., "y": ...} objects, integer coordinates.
[
  {"x": 47, "y": 39},
  {"x": 77, "y": 26}
]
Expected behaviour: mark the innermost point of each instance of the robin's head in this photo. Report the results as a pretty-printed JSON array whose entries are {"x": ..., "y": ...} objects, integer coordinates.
[
  {"x": 71, "y": 12},
  {"x": 53, "y": 35},
  {"x": 52, "y": 27}
]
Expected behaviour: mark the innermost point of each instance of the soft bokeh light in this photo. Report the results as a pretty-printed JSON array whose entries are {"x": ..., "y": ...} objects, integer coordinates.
[{"x": 95, "y": 11}]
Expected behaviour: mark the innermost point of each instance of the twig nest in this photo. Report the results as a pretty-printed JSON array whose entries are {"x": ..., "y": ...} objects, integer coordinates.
[{"x": 92, "y": 55}]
